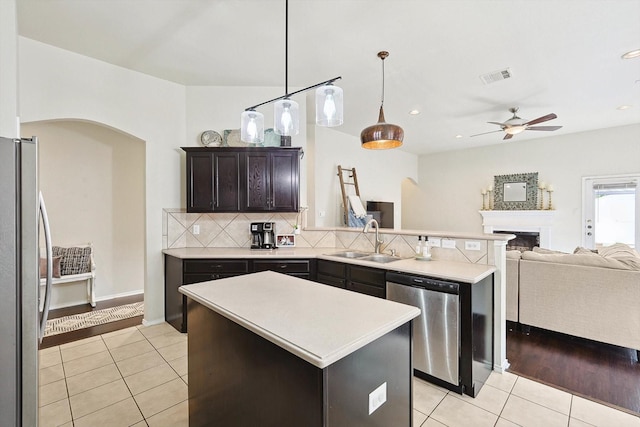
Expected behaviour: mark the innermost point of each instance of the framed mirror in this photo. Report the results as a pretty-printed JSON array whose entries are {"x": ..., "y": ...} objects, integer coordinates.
[{"x": 516, "y": 191}]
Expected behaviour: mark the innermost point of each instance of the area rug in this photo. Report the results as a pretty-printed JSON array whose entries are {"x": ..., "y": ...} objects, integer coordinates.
[{"x": 93, "y": 318}]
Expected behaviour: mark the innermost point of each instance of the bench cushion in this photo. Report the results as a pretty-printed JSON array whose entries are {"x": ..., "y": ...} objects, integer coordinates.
[{"x": 75, "y": 260}]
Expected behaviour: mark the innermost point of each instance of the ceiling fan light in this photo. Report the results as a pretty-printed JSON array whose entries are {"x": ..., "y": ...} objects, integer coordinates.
[
  {"x": 329, "y": 106},
  {"x": 252, "y": 127},
  {"x": 382, "y": 135},
  {"x": 286, "y": 117},
  {"x": 514, "y": 130},
  {"x": 631, "y": 54}
]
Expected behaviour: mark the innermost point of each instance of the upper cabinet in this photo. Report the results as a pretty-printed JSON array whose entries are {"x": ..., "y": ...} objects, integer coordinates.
[
  {"x": 243, "y": 179},
  {"x": 272, "y": 180}
]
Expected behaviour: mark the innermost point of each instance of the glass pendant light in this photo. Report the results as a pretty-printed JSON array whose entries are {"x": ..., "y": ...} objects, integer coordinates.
[
  {"x": 286, "y": 118},
  {"x": 382, "y": 135},
  {"x": 329, "y": 108},
  {"x": 286, "y": 112},
  {"x": 252, "y": 127}
]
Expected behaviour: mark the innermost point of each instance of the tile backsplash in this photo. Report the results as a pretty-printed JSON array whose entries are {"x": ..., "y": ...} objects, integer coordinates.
[{"x": 231, "y": 230}]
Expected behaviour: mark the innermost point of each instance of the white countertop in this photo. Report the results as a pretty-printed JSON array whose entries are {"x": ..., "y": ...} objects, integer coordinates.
[
  {"x": 318, "y": 323},
  {"x": 458, "y": 271}
]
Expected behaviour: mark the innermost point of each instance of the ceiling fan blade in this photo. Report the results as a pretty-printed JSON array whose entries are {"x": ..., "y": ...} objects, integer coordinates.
[
  {"x": 507, "y": 136},
  {"x": 544, "y": 128},
  {"x": 541, "y": 119},
  {"x": 497, "y": 123},
  {"x": 478, "y": 134}
]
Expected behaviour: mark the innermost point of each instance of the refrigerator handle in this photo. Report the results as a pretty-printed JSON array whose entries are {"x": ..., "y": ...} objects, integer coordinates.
[{"x": 47, "y": 291}]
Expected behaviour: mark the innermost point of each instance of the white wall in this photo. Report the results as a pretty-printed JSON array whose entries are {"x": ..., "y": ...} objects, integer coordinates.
[
  {"x": 451, "y": 182},
  {"x": 92, "y": 179},
  {"x": 58, "y": 84},
  {"x": 380, "y": 175}
]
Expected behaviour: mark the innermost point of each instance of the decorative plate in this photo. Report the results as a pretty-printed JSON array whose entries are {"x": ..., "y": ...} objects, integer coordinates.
[
  {"x": 232, "y": 138},
  {"x": 210, "y": 138}
]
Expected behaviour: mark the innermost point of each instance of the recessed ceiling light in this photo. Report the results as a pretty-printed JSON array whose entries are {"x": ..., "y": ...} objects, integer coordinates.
[
  {"x": 414, "y": 112},
  {"x": 624, "y": 107},
  {"x": 631, "y": 54},
  {"x": 458, "y": 136}
]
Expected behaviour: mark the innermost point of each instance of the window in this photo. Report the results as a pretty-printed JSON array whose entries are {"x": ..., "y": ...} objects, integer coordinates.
[{"x": 611, "y": 210}]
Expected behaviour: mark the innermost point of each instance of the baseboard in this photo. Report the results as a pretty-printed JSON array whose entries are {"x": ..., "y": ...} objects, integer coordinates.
[
  {"x": 102, "y": 298},
  {"x": 120, "y": 295}
]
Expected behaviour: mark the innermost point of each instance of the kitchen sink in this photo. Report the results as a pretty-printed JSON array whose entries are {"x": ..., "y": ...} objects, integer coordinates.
[
  {"x": 381, "y": 258},
  {"x": 350, "y": 254}
]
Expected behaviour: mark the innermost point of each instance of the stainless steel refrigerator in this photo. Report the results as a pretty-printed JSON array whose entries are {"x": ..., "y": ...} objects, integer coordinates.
[{"x": 21, "y": 322}]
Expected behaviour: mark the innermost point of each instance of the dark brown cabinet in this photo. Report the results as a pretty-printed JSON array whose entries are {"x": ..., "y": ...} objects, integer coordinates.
[
  {"x": 178, "y": 272},
  {"x": 365, "y": 280},
  {"x": 213, "y": 181},
  {"x": 272, "y": 180},
  {"x": 231, "y": 179}
]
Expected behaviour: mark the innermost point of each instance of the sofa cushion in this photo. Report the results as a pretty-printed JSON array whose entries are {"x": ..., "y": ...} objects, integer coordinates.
[
  {"x": 623, "y": 253},
  {"x": 588, "y": 260},
  {"x": 540, "y": 250},
  {"x": 514, "y": 254},
  {"x": 585, "y": 251}
]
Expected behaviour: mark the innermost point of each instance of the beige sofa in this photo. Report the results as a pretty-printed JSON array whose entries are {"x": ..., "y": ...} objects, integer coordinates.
[{"x": 589, "y": 295}]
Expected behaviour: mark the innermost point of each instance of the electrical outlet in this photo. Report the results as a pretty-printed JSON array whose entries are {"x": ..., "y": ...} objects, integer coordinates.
[
  {"x": 322, "y": 214},
  {"x": 377, "y": 397},
  {"x": 434, "y": 242},
  {"x": 196, "y": 229},
  {"x": 472, "y": 246},
  {"x": 449, "y": 244}
]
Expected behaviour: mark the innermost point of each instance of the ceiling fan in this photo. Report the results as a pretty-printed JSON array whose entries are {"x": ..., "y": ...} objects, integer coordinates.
[{"x": 515, "y": 124}]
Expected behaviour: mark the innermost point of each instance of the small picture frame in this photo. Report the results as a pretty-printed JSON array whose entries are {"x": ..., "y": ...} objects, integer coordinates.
[{"x": 285, "y": 240}]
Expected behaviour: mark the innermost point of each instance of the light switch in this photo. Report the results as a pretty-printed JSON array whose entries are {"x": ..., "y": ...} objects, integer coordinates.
[{"x": 196, "y": 229}]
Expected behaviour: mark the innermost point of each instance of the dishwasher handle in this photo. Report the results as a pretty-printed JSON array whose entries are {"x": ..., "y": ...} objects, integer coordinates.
[{"x": 422, "y": 282}]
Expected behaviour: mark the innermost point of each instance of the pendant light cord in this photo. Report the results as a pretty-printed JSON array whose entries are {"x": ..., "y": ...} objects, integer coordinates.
[
  {"x": 382, "y": 101},
  {"x": 286, "y": 48}
]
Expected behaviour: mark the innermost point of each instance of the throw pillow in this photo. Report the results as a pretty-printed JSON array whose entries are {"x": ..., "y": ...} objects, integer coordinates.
[
  {"x": 75, "y": 260},
  {"x": 55, "y": 267},
  {"x": 546, "y": 251},
  {"x": 585, "y": 251}
]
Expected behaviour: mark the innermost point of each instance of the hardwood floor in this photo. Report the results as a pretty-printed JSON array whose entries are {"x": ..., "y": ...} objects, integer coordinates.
[
  {"x": 94, "y": 330},
  {"x": 597, "y": 371}
]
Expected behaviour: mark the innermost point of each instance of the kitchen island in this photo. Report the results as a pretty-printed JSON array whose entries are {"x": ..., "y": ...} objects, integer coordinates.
[{"x": 273, "y": 350}]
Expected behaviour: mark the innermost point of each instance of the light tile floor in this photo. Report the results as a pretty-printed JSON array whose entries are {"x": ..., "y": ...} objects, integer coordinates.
[{"x": 138, "y": 377}]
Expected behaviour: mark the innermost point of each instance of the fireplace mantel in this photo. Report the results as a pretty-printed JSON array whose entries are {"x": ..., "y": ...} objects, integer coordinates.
[{"x": 539, "y": 221}]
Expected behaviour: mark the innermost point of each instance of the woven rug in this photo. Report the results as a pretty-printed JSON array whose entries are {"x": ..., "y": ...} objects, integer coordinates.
[{"x": 93, "y": 318}]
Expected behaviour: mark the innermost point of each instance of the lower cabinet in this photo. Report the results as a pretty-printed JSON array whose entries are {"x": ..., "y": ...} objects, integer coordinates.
[
  {"x": 180, "y": 272},
  {"x": 365, "y": 280}
]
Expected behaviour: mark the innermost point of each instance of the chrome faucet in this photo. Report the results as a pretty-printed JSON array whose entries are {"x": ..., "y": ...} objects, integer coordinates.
[{"x": 378, "y": 240}]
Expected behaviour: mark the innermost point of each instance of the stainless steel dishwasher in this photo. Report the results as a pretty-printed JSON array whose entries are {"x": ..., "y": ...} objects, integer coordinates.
[{"x": 436, "y": 332}]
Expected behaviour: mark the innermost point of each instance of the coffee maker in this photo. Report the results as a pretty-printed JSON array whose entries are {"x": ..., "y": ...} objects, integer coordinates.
[{"x": 263, "y": 235}]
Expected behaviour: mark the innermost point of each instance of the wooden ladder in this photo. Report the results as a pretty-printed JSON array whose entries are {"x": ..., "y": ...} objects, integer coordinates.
[{"x": 343, "y": 184}]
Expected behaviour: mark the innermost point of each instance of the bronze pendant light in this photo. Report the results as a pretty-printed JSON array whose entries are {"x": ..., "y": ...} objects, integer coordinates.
[{"x": 382, "y": 135}]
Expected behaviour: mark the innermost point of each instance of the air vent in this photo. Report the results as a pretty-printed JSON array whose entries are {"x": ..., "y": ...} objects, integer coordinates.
[{"x": 496, "y": 76}]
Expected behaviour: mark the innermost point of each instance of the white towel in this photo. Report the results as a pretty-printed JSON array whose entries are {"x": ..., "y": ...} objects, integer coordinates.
[{"x": 356, "y": 205}]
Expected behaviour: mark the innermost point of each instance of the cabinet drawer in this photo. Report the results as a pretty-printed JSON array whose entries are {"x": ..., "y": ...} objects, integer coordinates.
[
  {"x": 282, "y": 266},
  {"x": 371, "y": 276},
  {"x": 216, "y": 266},
  {"x": 330, "y": 268},
  {"x": 204, "y": 277},
  {"x": 330, "y": 280},
  {"x": 367, "y": 289}
]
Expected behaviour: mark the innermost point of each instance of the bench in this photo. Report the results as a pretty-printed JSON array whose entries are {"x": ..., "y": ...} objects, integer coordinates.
[{"x": 72, "y": 264}]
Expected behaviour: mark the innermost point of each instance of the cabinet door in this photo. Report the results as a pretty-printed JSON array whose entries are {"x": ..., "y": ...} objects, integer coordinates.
[
  {"x": 200, "y": 195},
  {"x": 257, "y": 182},
  {"x": 227, "y": 181},
  {"x": 285, "y": 181}
]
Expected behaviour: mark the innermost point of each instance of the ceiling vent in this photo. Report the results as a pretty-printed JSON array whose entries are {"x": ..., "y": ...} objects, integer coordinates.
[{"x": 496, "y": 76}]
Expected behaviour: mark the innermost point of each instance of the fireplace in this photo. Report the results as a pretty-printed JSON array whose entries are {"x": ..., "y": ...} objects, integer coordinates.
[
  {"x": 524, "y": 241},
  {"x": 534, "y": 226}
]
